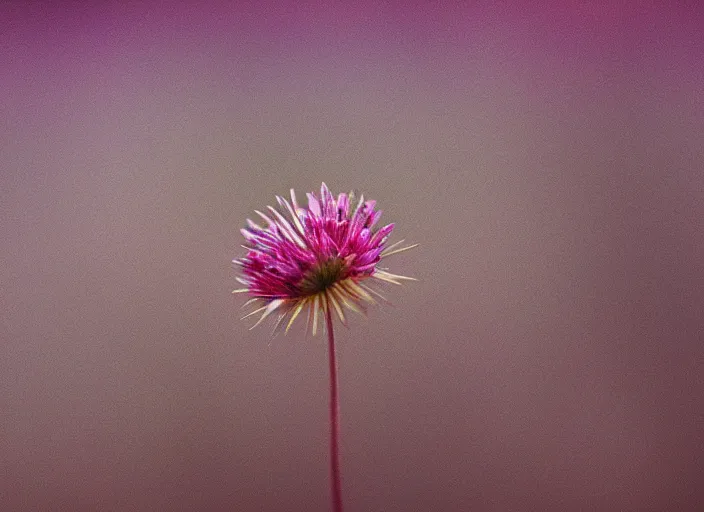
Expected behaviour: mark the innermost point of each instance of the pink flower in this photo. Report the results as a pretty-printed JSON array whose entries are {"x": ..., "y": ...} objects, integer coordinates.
[{"x": 317, "y": 258}]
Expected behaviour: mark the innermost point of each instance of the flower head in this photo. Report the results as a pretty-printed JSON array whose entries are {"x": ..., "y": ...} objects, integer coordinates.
[{"x": 316, "y": 258}]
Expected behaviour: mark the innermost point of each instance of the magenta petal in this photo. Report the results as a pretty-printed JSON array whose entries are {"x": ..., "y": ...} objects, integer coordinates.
[
  {"x": 313, "y": 205},
  {"x": 343, "y": 206},
  {"x": 383, "y": 232}
]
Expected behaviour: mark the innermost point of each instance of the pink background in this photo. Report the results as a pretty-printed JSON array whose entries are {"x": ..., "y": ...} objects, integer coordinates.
[{"x": 548, "y": 158}]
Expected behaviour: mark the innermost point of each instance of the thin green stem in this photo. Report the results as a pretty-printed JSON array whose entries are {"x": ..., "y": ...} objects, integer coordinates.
[{"x": 334, "y": 417}]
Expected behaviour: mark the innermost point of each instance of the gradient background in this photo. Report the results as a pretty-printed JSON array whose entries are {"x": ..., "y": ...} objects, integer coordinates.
[{"x": 548, "y": 158}]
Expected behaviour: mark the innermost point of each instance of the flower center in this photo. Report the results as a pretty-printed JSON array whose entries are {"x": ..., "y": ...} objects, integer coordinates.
[{"x": 321, "y": 276}]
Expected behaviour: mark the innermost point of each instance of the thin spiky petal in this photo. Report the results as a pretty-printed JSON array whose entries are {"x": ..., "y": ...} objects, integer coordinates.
[
  {"x": 357, "y": 291},
  {"x": 287, "y": 229},
  {"x": 313, "y": 205},
  {"x": 279, "y": 319},
  {"x": 391, "y": 278},
  {"x": 267, "y": 219},
  {"x": 254, "y": 312},
  {"x": 273, "y": 305},
  {"x": 250, "y": 301},
  {"x": 297, "y": 309},
  {"x": 330, "y": 294},
  {"x": 389, "y": 251},
  {"x": 294, "y": 203},
  {"x": 349, "y": 304},
  {"x": 373, "y": 292},
  {"x": 309, "y": 320},
  {"x": 316, "y": 308},
  {"x": 293, "y": 214}
]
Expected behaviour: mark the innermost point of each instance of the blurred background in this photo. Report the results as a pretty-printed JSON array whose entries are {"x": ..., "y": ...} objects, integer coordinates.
[{"x": 548, "y": 159}]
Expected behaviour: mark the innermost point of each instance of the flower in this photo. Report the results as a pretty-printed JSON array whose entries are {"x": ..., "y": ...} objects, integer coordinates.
[{"x": 315, "y": 258}]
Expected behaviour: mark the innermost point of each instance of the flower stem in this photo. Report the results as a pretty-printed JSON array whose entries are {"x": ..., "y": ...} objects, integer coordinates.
[{"x": 334, "y": 418}]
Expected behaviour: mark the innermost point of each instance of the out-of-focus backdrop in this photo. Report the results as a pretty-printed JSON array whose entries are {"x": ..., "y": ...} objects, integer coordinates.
[{"x": 548, "y": 158}]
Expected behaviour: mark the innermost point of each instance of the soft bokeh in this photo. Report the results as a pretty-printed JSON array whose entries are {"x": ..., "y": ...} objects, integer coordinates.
[{"x": 547, "y": 157}]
